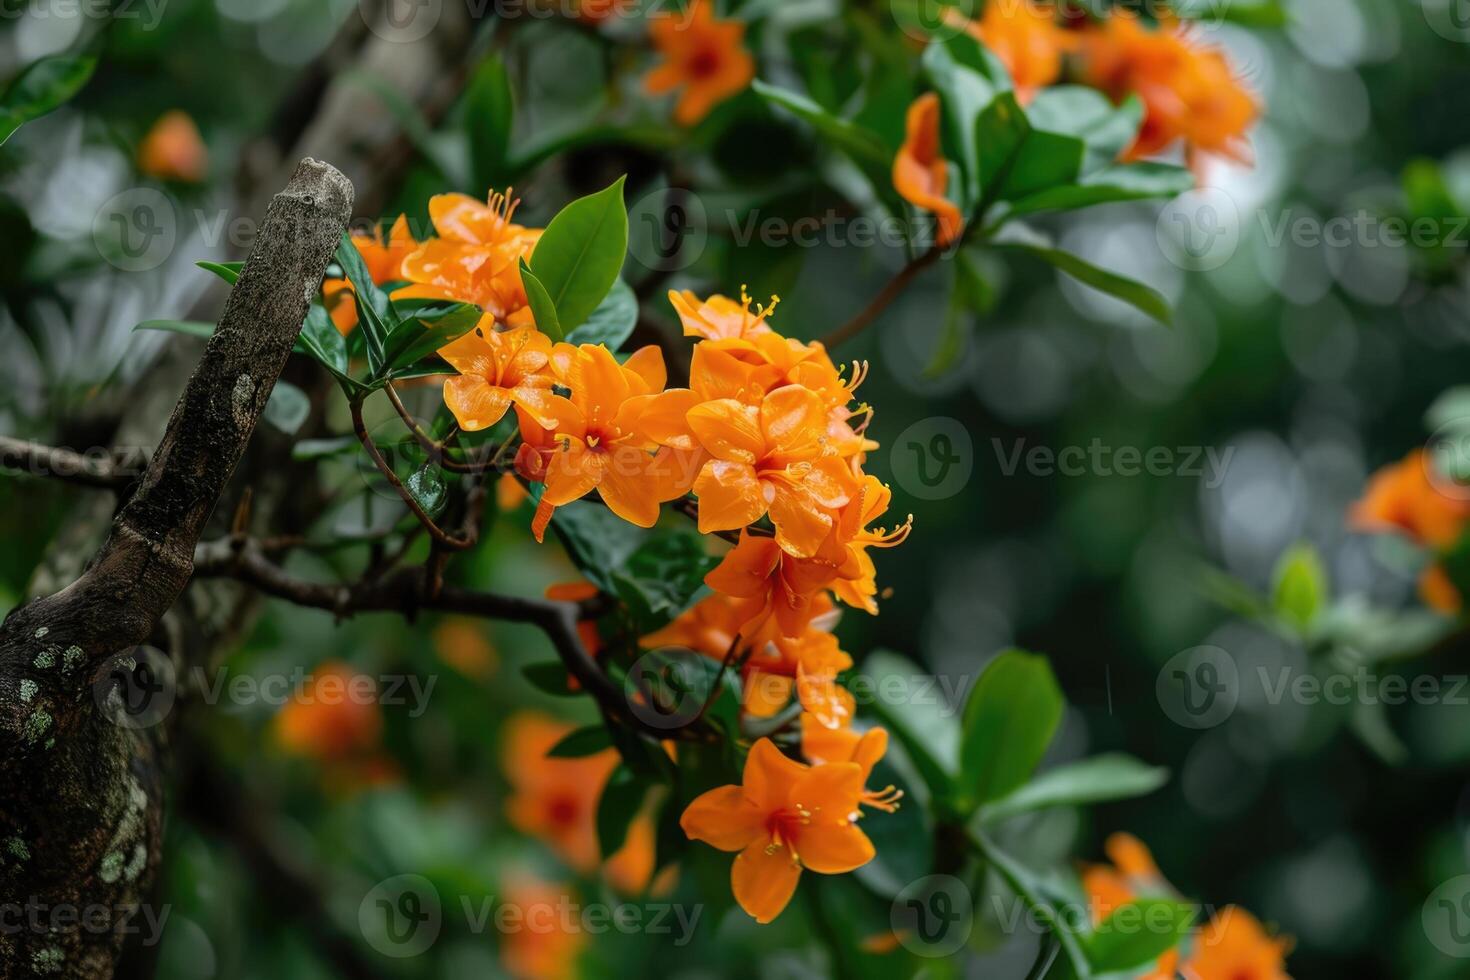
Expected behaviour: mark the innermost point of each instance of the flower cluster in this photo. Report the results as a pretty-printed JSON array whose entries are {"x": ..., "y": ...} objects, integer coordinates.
[
  {"x": 1232, "y": 945},
  {"x": 1190, "y": 94},
  {"x": 1412, "y": 498}
]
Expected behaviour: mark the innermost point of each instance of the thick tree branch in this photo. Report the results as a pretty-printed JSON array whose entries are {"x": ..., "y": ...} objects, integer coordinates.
[{"x": 81, "y": 808}]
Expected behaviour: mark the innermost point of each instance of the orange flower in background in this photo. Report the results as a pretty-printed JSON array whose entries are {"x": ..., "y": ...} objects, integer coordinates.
[
  {"x": 384, "y": 262},
  {"x": 496, "y": 368},
  {"x": 920, "y": 172},
  {"x": 476, "y": 257},
  {"x": 334, "y": 716},
  {"x": 1404, "y": 497},
  {"x": 596, "y": 438},
  {"x": 1190, "y": 93},
  {"x": 783, "y": 817},
  {"x": 174, "y": 150},
  {"x": 461, "y": 642},
  {"x": 703, "y": 55},
  {"x": 1438, "y": 591},
  {"x": 1232, "y": 946},
  {"x": 556, "y": 799},
  {"x": 542, "y": 948},
  {"x": 1025, "y": 36}
]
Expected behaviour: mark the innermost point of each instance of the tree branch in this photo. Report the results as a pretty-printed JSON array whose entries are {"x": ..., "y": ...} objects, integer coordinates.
[
  {"x": 883, "y": 300},
  {"x": 86, "y": 830},
  {"x": 114, "y": 471}
]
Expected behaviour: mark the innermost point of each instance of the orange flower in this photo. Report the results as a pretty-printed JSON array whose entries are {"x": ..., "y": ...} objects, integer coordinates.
[
  {"x": 702, "y": 54},
  {"x": 542, "y": 948},
  {"x": 496, "y": 368},
  {"x": 772, "y": 582},
  {"x": 1438, "y": 591},
  {"x": 769, "y": 459},
  {"x": 384, "y": 262},
  {"x": 920, "y": 172},
  {"x": 174, "y": 150},
  {"x": 475, "y": 259},
  {"x": 556, "y": 799},
  {"x": 1234, "y": 946},
  {"x": 596, "y": 438},
  {"x": 857, "y": 585},
  {"x": 1403, "y": 496},
  {"x": 1025, "y": 36},
  {"x": 461, "y": 642},
  {"x": 821, "y": 744},
  {"x": 334, "y": 716},
  {"x": 784, "y": 817},
  {"x": 720, "y": 317},
  {"x": 1189, "y": 91}
]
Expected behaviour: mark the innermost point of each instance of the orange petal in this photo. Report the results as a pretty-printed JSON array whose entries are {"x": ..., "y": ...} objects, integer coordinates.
[
  {"x": 476, "y": 403},
  {"x": 664, "y": 419},
  {"x": 648, "y": 364},
  {"x": 723, "y": 818},
  {"x": 728, "y": 429},
  {"x": 801, "y": 524},
  {"x": 730, "y": 496},
  {"x": 572, "y": 472},
  {"x": 792, "y": 421},
  {"x": 746, "y": 570},
  {"x": 766, "y": 694},
  {"x": 834, "y": 849},
  {"x": 763, "y": 879},
  {"x": 626, "y": 488},
  {"x": 770, "y": 776}
]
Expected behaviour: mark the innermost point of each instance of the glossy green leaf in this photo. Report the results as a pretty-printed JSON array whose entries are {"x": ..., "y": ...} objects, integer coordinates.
[
  {"x": 1129, "y": 291},
  {"x": 374, "y": 312},
  {"x": 426, "y": 484},
  {"x": 42, "y": 87},
  {"x": 1016, "y": 159},
  {"x": 662, "y": 578},
  {"x": 193, "y": 328},
  {"x": 416, "y": 338},
  {"x": 320, "y": 340},
  {"x": 581, "y": 743},
  {"x": 543, "y": 307},
  {"x": 1010, "y": 719},
  {"x": 619, "y": 804},
  {"x": 1299, "y": 591},
  {"x": 612, "y": 322},
  {"x": 228, "y": 271},
  {"x": 1137, "y": 934},
  {"x": 489, "y": 113},
  {"x": 1096, "y": 780},
  {"x": 1105, "y": 129},
  {"x": 578, "y": 257},
  {"x": 957, "y": 69},
  {"x": 1121, "y": 182},
  {"x": 926, "y": 732}
]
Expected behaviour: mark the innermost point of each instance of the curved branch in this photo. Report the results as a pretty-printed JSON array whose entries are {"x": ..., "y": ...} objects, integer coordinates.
[{"x": 883, "y": 300}]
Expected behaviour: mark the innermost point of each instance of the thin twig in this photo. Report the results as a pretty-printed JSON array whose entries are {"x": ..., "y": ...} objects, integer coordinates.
[
  {"x": 883, "y": 300},
  {"x": 439, "y": 535},
  {"x": 114, "y": 472}
]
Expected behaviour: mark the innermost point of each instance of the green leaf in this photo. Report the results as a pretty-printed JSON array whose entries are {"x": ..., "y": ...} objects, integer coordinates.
[
  {"x": 971, "y": 294},
  {"x": 582, "y": 742},
  {"x": 426, "y": 484},
  {"x": 1121, "y": 182},
  {"x": 662, "y": 578},
  {"x": 1129, "y": 291},
  {"x": 1267, "y": 14},
  {"x": 374, "y": 312},
  {"x": 957, "y": 69},
  {"x": 1137, "y": 934},
  {"x": 193, "y": 328},
  {"x": 597, "y": 541},
  {"x": 578, "y": 258},
  {"x": 1096, "y": 780},
  {"x": 543, "y": 308},
  {"x": 1105, "y": 129},
  {"x": 417, "y": 337},
  {"x": 1016, "y": 159},
  {"x": 228, "y": 271},
  {"x": 42, "y": 87},
  {"x": 1032, "y": 890},
  {"x": 1299, "y": 590},
  {"x": 621, "y": 800},
  {"x": 1010, "y": 718},
  {"x": 287, "y": 408},
  {"x": 489, "y": 113},
  {"x": 549, "y": 678},
  {"x": 926, "y": 733},
  {"x": 612, "y": 322},
  {"x": 320, "y": 340}
]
